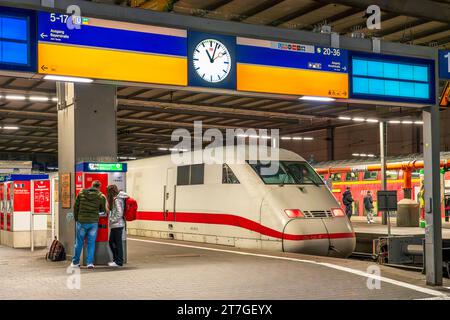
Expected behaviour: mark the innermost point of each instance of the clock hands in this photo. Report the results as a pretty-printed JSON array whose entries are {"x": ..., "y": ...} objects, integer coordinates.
[
  {"x": 215, "y": 49},
  {"x": 220, "y": 55},
  {"x": 209, "y": 56}
]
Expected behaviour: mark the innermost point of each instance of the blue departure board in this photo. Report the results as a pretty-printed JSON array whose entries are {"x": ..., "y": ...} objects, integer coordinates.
[
  {"x": 392, "y": 78},
  {"x": 17, "y": 40}
]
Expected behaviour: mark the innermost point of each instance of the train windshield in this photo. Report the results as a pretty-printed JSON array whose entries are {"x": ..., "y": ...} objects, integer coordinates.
[{"x": 289, "y": 172}]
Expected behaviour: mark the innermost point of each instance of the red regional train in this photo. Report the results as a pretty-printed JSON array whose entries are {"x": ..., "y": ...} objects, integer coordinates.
[{"x": 360, "y": 177}]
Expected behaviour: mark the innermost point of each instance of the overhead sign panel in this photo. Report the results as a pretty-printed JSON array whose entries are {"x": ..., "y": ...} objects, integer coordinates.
[
  {"x": 101, "y": 167},
  {"x": 111, "y": 50},
  {"x": 17, "y": 40},
  {"x": 444, "y": 64},
  {"x": 288, "y": 68},
  {"x": 392, "y": 78}
]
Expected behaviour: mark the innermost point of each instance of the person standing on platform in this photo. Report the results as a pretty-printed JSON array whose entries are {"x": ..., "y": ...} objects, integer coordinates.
[
  {"x": 421, "y": 198},
  {"x": 347, "y": 199},
  {"x": 89, "y": 204},
  {"x": 368, "y": 205},
  {"x": 116, "y": 209}
]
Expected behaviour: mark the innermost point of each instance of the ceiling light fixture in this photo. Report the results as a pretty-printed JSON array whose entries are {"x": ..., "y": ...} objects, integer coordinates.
[
  {"x": 15, "y": 97},
  {"x": 68, "y": 79},
  {"x": 322, "y": 99},
  {"x": 37, "y": 98}
]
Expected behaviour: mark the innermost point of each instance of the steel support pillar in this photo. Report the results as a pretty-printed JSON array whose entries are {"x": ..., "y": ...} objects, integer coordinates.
[
  {"x": 86, "y": 132},
  {"x": 330, "y": 144},
  {"x": 383, "y": 152},
  {"x": 433, "y": 230}
]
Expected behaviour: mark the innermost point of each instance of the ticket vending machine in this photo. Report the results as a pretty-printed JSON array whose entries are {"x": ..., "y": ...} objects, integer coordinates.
[
  {"x": 107, "y": 174},
  {"x": 17, "y": 211}
]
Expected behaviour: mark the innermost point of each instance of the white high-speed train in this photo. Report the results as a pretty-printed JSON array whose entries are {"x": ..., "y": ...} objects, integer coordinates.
[{"x": 236, "y": 205}]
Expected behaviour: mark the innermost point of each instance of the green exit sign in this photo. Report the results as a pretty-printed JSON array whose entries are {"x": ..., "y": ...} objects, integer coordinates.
[{"x": 106, "y": 167}]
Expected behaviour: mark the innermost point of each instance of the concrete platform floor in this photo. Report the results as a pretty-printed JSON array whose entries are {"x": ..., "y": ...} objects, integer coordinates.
[
  {"x": 360, "y": 225},
  {"x": 170, "y": 270}
]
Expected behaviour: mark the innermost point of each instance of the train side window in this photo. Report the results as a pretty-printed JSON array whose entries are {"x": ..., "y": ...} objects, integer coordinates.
[
  {"x": 336, "y": 177},
  {"x": 392, "y": 174},
  {"x": 351, "y": 176},
  {"x": 197, "y": 174},
  {"x": 228, "y": 176},
  {"x": 183, "y": 175},
  {"x": 415, "y": 175},
  {"x": 370, "y": 175}
]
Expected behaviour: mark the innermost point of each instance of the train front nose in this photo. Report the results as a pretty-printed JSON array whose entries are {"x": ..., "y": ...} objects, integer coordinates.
[{"x": 324, "y": 237}]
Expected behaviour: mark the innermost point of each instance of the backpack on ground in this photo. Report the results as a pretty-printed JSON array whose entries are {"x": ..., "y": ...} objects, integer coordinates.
[
  {"x": 56, "y": 252},
  {"x": 131, "y": 208}
]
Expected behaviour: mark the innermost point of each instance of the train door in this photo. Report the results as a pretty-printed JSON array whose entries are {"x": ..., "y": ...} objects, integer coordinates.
[{"x": 170, "y": 195}]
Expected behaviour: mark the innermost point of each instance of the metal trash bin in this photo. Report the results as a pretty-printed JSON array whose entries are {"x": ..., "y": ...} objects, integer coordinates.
[{"x": 408, "y": 213}]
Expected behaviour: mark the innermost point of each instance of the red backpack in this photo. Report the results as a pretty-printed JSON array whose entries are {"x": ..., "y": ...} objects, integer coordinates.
[{"x": 131, "y": 208}]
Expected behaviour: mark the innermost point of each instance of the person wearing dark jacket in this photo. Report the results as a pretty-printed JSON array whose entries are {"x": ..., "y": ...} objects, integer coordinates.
[
  {"x": 347, "y": 199},
  {"x": 88, "y": 205},
  {"x": 115, "y": 206},
  {"x": 368, "y": 205}
]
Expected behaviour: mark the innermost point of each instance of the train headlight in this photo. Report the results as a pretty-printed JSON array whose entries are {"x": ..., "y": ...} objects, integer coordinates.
[
  {"x": 294, "y": 213},
  {"x": 338, "y": 212}
]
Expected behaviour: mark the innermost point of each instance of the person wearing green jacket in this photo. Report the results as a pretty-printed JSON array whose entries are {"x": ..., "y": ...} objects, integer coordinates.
[{"x": 88, "y": 205}]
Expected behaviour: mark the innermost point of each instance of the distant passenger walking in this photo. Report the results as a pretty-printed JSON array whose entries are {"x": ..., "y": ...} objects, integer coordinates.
[
  {"x": 116, "y": 209},
  {"x": 347, "y": 199},
  {"x": 368, "y": 205},
  {"x": 88, "y": 205}
]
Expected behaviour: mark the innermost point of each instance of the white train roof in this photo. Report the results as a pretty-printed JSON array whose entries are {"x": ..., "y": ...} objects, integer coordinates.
[{"x": 222, "y": 154}]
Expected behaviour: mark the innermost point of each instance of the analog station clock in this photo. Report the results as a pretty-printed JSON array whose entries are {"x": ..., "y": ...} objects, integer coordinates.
[{"x": 212, "y": 60}]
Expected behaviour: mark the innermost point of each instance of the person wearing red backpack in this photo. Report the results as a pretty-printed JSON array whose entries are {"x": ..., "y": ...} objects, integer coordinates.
[{"x": 116, "y": 208}]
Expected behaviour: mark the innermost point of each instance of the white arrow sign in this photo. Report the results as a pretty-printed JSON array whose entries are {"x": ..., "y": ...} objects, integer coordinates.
[{"x": 43, "y": 35}]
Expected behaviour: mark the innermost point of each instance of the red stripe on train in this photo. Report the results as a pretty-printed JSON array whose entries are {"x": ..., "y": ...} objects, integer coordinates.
[{"x": 236, "y": 221}]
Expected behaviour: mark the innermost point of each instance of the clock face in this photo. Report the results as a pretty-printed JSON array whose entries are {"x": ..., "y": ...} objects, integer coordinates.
[{"x": 212, "y": 61}]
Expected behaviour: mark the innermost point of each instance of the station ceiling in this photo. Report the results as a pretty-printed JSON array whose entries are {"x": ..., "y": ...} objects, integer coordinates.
[
  {"x": 147, "y": 116},
  {"x": 419, "y": 22}
]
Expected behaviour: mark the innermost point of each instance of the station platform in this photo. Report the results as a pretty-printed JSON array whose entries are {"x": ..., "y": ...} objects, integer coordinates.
[
  {"x": 366, "y": 233},
  {"x": 172, "y": 270}
]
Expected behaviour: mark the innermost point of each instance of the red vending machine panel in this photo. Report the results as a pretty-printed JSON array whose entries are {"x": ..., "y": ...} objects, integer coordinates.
[
  {"x": 22, "y": 196},
  {"x": 9, "y": 205},
  {"x": 78, "y": 182},
  {"x": 2, "y": 206},
  {"x": 41, "y": 197}
]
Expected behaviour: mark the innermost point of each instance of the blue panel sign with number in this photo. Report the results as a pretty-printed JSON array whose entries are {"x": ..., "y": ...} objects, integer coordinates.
[
  {"x": 17, "y": 40},
  {"x": 297, "y": 56},
  {"x": 444, "y": 64},
  {"x": 392, "y": 78}
]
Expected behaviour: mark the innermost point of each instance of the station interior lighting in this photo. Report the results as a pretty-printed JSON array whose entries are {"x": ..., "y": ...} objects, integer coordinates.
[
  {"x": 10, "y": 128},
  {"x": 364, "y": 155},
  {"x": 297, "y": 138},
  {"x": 253, "y": 136},
  {"x": 173, "y": 149},
  {"x": 320, "y": 99},
  {"x": 16, "y": 97},
  {"x": 68, "y": 79},
  {"x": 127, "y": 158},
  {"x": 39, "y": 98},
  {"x": 372, "y": 120}
]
